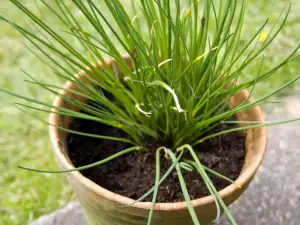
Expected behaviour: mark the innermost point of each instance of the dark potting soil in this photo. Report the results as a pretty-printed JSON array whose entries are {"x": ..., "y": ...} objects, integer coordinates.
[{"x": 132, "y": 175}]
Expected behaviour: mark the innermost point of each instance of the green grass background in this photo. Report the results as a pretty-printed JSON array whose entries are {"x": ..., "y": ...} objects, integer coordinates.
[{"x": 24, "y": 195}]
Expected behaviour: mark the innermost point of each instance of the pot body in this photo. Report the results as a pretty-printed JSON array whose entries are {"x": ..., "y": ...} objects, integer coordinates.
[{"x": 103, "y": 207}]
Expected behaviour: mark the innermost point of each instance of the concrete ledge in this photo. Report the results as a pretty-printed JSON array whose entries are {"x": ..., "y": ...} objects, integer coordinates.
[{"x": 70, "y": 215}]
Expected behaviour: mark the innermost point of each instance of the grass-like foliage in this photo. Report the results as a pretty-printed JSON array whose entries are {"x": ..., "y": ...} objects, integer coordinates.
[{"x": 185, "y": 63}]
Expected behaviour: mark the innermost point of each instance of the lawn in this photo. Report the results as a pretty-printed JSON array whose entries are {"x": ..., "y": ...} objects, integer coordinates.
[{"x": 24, "y": 195}]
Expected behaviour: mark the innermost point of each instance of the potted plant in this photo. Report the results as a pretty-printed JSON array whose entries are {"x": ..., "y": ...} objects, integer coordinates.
[{"x": 156, "y": 121}]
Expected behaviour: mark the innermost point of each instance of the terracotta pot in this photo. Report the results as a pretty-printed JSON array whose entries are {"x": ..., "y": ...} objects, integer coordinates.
[{"x": 103, "y": 207}]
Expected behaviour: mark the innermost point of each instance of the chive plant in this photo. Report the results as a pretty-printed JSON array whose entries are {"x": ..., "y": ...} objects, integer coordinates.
[{"x": 187, "y": 61}]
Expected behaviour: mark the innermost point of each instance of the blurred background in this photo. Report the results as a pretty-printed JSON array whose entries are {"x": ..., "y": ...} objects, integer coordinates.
[{"x": 24, "y": 195}]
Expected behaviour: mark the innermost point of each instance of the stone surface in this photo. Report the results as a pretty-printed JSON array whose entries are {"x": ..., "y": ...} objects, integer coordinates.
[
  {"x": 70, "y": 215},
  {"x": 273, "y": 198}
]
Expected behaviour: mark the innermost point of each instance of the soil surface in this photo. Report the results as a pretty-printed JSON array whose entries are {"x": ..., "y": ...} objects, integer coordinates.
[{"x": 132, "y": 175}]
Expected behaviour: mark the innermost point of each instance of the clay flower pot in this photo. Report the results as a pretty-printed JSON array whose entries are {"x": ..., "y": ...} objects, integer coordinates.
[{"x": 103, "y": 207}]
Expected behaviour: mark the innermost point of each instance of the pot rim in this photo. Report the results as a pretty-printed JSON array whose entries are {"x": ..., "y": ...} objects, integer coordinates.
[{"x": 245, "y": 176}]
